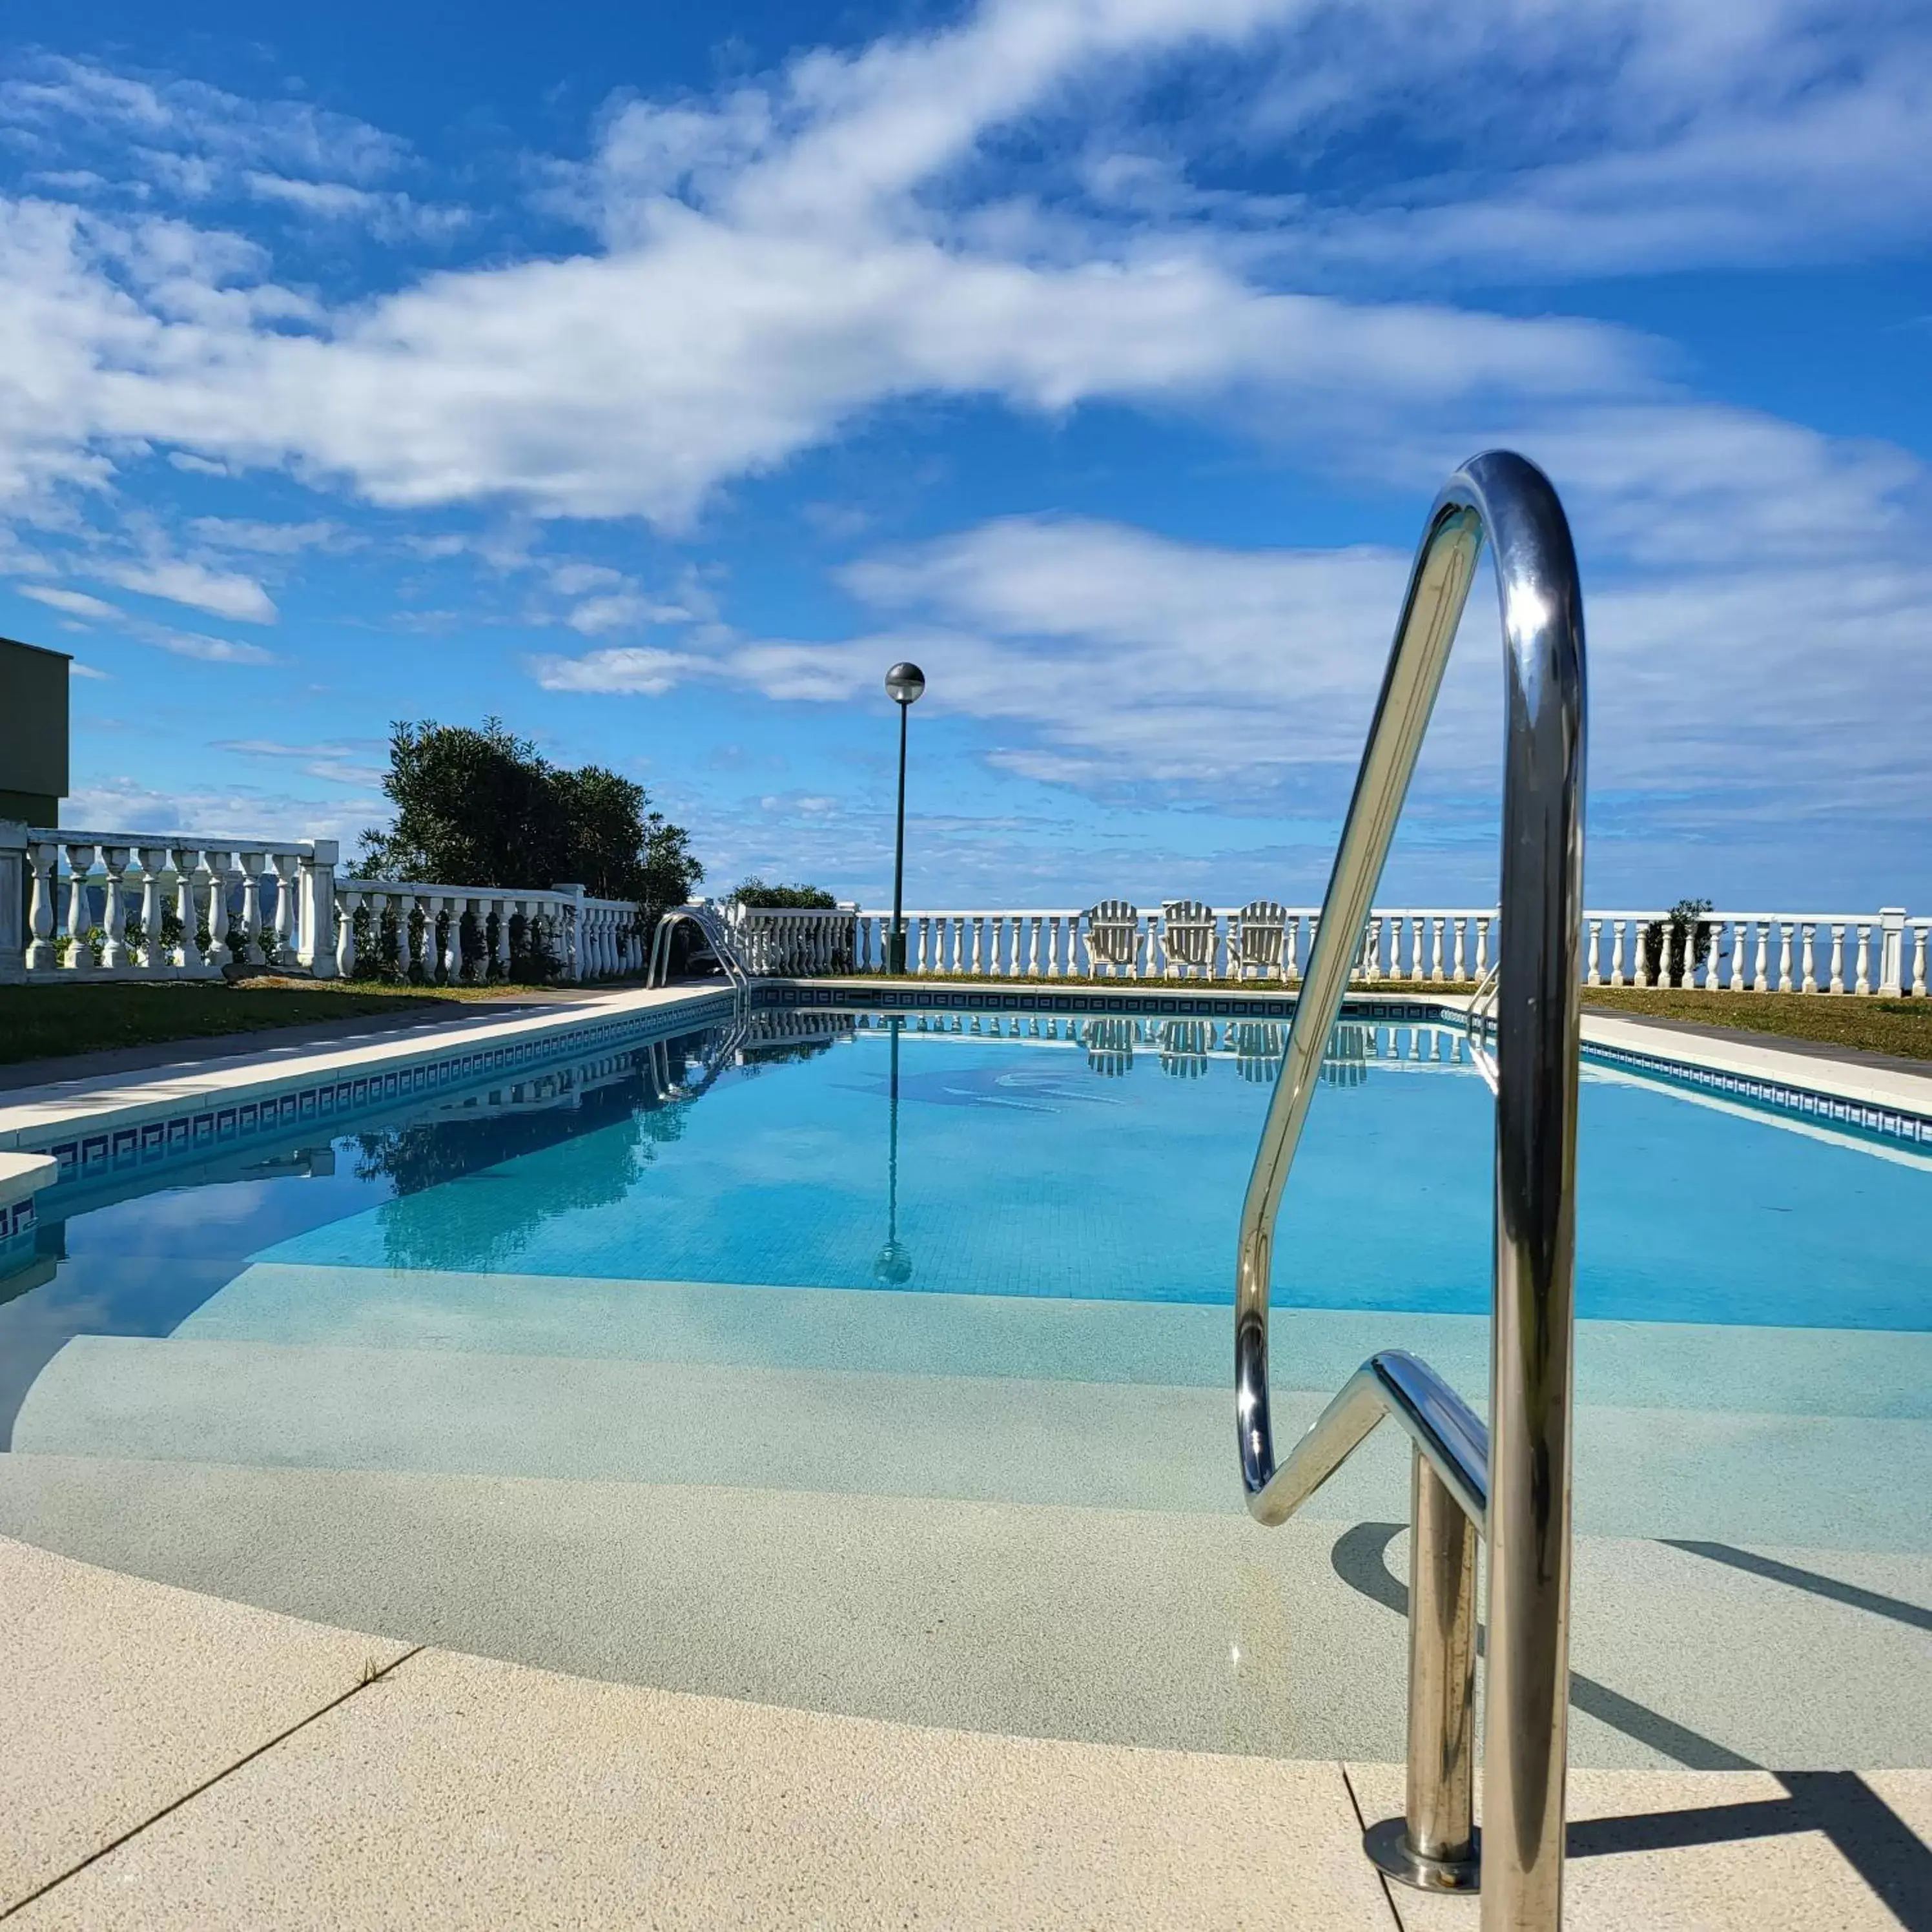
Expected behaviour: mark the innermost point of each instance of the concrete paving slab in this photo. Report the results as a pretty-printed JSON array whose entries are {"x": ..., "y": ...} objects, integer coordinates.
[
  {"x": 1746, "y": 1851},
  {"x": 122, "y": 1696},
  {"x": 460, "y": 1793}
]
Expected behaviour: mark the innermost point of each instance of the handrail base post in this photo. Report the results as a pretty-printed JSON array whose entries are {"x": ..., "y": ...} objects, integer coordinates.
[
  {"x": 1435, "y": 1847},
  {"x": 1387, "y": 1845}
]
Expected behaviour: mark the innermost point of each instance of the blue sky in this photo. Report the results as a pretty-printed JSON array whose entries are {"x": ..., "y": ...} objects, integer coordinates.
[{"x": 653, "y": 378}]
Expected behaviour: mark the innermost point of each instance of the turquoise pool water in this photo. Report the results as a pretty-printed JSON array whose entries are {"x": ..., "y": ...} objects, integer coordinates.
[
  {"x": 745, "y": 1366},
  {"x": 1111, "y": 1167}
]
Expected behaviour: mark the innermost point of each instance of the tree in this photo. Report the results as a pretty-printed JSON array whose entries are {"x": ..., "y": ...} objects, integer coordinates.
[
  {"x": 755, "y": 892},
  {"x": 482, "y": 807}
]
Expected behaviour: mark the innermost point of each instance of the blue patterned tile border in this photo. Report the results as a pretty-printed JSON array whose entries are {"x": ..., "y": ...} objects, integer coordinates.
[
  {"x": 1778, "y": 1096},
  {"x": 191, "y": 1134},
  {"x": 17, "y": 1222}
]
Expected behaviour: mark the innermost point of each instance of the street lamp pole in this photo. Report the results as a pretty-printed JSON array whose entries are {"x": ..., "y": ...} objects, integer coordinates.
[{"x": 903, "y": 684}]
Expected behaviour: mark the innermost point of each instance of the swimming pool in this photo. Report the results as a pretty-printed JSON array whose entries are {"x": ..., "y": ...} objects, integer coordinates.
[{"x": 880, "y": 1362}]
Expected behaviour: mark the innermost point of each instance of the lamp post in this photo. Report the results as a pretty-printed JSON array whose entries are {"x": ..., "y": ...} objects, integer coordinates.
[{"x": 903, "y": 684}]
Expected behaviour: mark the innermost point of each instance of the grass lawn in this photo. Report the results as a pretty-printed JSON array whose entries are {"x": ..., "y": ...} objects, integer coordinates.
[
  {"x": 39, "y": 1022},
  {"x": 1902, "y": 1028}
]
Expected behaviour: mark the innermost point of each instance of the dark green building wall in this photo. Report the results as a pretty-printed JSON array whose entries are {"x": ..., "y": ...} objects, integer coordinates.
[{"x": 33, "y": 732}]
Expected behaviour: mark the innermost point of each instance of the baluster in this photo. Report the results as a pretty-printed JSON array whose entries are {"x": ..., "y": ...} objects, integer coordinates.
[
  {"x": 113, "y": 910},
  {"x": 1740, "y": 943},
  {"x": 1785, "y": 929},
  {"x": 41, "y": 956},
  {"x": 1862, "y": 983},
  {"x": 1807, "y": 979},
  {"x": 252, "y": 863},
  {"x": 1639, "y": 934},
  {"x": 1837, "y": 983},
  {"x": 1456, "y": 926},
  {"x": 1291, "y": 941},
  {"x": 467, "y": 965},
  {"x": 288, "y": 865},
  {"x": 1918, "y": 983},
  {"x": 1592, "y": 977},
  {"x": 79, "y": 914},
  {"x": 185, "y": 955},
  {"x": 1617, "y": 952},
  {"x": 221, "y": 872},
  {"x": 413, "y": 915},
  {"x": 345, "y": 905}
]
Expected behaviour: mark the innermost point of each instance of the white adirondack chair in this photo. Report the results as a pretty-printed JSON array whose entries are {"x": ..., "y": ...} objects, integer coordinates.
[
  {"x": 1259, "y": 927},
  {"x": 1187, "y": 939},
  {"x": 1113, "y": 936}
]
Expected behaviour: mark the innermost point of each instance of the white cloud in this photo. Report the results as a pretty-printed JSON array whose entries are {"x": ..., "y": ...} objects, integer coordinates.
[
  {"x": 223, "y": 593},
  {"x": 388, "y": 214},
  {"x": 1123, "y": 663},
  {"x": 633, "y": 671},
  {"x": 803, "y": 275},
  {"x": 74, "y": 603},
  {"x": 269, "y": 539},
  {"x": 207, "y": 649},
  {"x": 1628, "y": 135},
  {"x": 92, "y": 672},
  {"x": 120, "y": 802},
  {"x": 199, "y": 131}
]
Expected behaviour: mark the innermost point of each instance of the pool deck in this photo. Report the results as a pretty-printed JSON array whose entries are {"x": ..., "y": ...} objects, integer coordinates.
[
  {"x": 176, "y": 1760},
  {"x": 100, "y": 1101}
]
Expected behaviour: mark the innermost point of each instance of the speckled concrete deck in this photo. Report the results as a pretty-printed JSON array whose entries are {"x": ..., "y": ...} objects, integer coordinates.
[{"x": 171, "y": 1760}]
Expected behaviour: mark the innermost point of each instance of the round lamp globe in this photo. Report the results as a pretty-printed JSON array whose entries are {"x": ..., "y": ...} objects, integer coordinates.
[{"x": 904, "y": 683}]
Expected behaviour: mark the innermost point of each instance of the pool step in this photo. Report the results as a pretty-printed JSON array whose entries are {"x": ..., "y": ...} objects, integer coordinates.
[
  {"x": 1623, "y": 1364},
  {"x": 1843, "y": 1481}
]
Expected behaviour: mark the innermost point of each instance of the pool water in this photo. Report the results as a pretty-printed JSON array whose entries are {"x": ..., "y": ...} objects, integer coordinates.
[
  {"x": 844, "y": 1364},
  {"x": 1036, "y": 1167}
]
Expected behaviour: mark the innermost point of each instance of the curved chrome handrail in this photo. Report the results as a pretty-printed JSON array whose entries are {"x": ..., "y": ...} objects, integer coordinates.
[
  {"x": 1436, "y": 1419},
  {"x": 707, "y": 922},
  {"x": 1527, "y": 1517},
  {"x": 1479, "y": 1019}
]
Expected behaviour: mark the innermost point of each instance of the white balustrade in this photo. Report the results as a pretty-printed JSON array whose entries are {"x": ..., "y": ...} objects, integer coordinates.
[
  {"x": 1721, "y": 951},
  {"x": 137, "y": 905}
]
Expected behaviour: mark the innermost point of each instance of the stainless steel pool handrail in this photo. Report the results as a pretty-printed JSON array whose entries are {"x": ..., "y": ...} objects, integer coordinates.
[
  {"x": 1526, "y": 1516},
  {"x": 712, "y": 928},
  {"x": 1479, "y": 1019}
]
